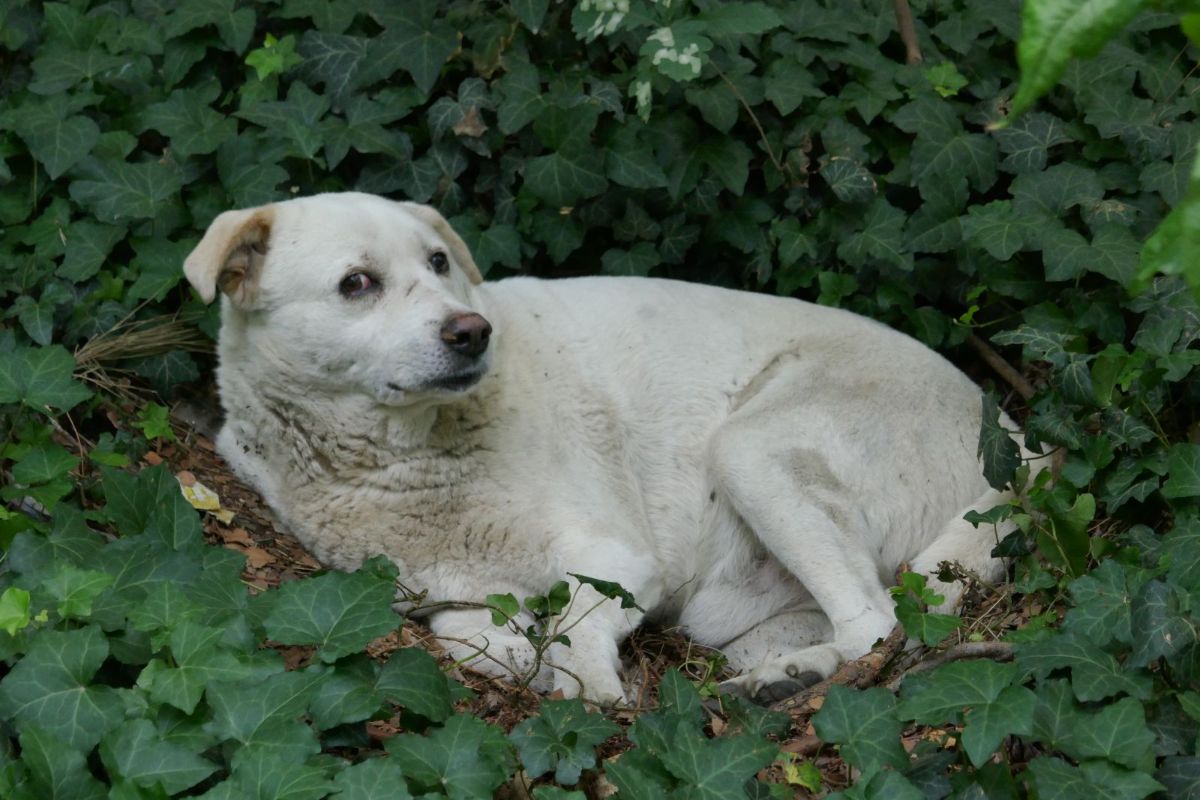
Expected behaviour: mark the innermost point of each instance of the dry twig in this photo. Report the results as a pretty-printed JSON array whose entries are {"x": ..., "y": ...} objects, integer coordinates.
[{"x": 859, "y": 674}]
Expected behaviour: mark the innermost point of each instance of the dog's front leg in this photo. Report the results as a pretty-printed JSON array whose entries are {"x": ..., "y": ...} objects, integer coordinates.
[{"x": 590, "y": 666}]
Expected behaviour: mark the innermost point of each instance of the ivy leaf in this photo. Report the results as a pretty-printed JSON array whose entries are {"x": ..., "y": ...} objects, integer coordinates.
[
  {"x": 562, "y": 179},
  {"x": 1028, "y": 139},
  {"x": 40, "y": 377},
  {"x": 1055, "y": 779},
  {"x": 713, "y": 769},
  {"x": 1053, "y": 33},
  {"x": 412, "y": 678},
  {"x": 1160, "y": 626},
  {"x": 419, "y": 44},
  {"x": 637, "y": 260},
  {"x": 14, "y": 610},
  {"x": 338, "y": 612},
  {"x": 235, "y": 25},
  {"x": 742, "y": 19},
  {"x": 1180, "y": 777},
  {"x": 848, "y": 179},
  {"x": 373, "y": 779},
  {"x": 188, "y": 119},
  {"x": 466, "y": 758},
  {"x": 136, "y": 752},
  {"x": 631, "y": 163},
  {"x": 1102, "y": 602},
  {"x": 563, "y": 738},
  {"x": 58, "y": 770},
  {"x": 264, "y": 775},
  {"x": 865, "y": 724},
  {"x": 531, "y": 12},
  {"x": 297, "y": 118},
  {"x": 43, "y": 464},
  {"x": 998, "y": 228},
  {"x": 999, "y": 452},
  {"x": 521, "y": 98},
  {"x": 881, "y": 239},
  {"x": 1183, "y": 472},
  {"x": 50, "y": 687},
  {"x": 332, "y": 59},
  {"x": 115, "y": 190},
  {"x": 253, "y": 713},
  {"x": 1054, "y": 191},
  {"x": 57, "y": 136},
  {"x": 198, "y": 659},
  {"x": 949, "y": 689},
  {"x": 1095, "y": 674},
  {"x": 75, "y": 589},
  {"x": 88, "y": 245},
  {"x": 987, "y": 724}
]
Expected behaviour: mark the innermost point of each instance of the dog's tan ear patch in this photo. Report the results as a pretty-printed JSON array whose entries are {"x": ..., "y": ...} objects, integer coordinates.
[
  {"x": 458, "y": 248},
  {"x": 230, "y": 255}
]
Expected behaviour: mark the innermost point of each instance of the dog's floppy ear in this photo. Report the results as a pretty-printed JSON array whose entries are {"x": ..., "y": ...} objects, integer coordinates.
[
  {"x": 230, "y": 255},
  {"x": 458, "y": 248}
]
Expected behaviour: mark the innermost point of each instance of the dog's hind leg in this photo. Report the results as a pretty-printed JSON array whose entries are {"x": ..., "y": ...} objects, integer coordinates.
[
  {"x": 962, "y": 543},
  {"x": 796, "y": 508}
]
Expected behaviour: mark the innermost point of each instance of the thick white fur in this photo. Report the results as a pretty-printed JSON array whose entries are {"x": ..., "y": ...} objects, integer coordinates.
[{"x": 752, "y": 467}]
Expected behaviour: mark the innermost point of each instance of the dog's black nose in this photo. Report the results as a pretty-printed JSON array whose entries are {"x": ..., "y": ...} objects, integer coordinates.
[{"x": 467, "y": 334}]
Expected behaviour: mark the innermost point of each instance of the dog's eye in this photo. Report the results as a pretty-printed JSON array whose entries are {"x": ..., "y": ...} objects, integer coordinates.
[
  {"x": 439, "y": 262},
  {"x": 357, "y": 284}
]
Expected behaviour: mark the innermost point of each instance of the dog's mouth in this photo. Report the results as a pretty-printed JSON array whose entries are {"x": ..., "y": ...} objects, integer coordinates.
[{"x": 452, "y": 383}]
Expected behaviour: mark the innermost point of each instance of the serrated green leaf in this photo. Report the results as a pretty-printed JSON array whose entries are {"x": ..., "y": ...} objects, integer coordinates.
[
  {"x": 865, "y": 724},
  {"x": 50, "y": 687},
  {"x": 40, "y": 377},
  {"x": 563, "y": 738},
  {"x": 466, "y": 758}
]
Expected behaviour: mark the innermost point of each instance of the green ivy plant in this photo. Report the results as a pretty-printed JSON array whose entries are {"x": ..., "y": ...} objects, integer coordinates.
[{"x": 994, "y": 197}]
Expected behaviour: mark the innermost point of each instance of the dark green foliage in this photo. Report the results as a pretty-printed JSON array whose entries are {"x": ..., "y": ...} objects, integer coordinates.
[{"x": 775, "y": 146}]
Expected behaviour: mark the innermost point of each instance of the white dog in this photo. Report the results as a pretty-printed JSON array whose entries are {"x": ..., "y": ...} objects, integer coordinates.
[{"x": 753, "y": 468}]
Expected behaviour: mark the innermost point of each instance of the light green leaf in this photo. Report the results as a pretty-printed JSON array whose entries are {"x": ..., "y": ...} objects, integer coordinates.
[
  {"x": 1055, "y": 31},
  {"x": 14, "y": 610},
  {"x": 75, "y": 589}
]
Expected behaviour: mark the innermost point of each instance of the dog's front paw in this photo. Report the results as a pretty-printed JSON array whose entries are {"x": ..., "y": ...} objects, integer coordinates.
[
  {"x": 602, "y": 687},
  {"x": 782, "y": 677}
]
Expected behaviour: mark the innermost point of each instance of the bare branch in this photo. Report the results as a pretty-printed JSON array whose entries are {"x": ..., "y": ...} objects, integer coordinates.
[{"x": 908, "y": 33}]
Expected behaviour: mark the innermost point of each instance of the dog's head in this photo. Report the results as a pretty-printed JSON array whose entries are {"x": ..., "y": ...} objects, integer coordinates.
[{"x": 347, "y": 293}]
